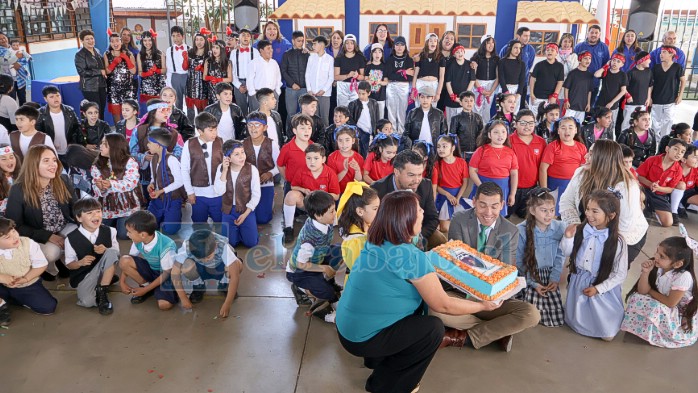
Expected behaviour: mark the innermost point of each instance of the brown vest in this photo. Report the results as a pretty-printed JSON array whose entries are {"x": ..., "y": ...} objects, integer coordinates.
[
  {"x": 198, "y": 174},
  {"x": 178, "y": 193},
  {"x": 265, "y": 161},
  {"x": 142, "y": 131},
  {"x": 38, "y": 139},
  {"x": 242, "y": 190}
]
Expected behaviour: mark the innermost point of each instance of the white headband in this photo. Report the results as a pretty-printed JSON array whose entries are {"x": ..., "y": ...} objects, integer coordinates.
[{"x": 6, "y": 150}]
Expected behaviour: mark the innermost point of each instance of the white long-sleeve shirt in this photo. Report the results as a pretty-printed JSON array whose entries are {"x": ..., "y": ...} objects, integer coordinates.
[
  {"x": 185, "y": 165},
  {"x": 263, "y": 73},
  {"x": 241, "y": 64},
  {"x": 176, "y": 170},
  {"x": 319, "y": 74},
  {"x": 71, "y": 256},
  {"x": 173, "y": 61},
  {"x": 585, "y": 259},
  {"x": 274, "y": 155},
  {"x": 255, "y": 188}
]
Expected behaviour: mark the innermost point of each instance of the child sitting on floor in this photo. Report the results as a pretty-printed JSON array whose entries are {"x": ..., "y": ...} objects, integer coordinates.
[
  {"x": 91, "y": 254},
  {"x": 207, "y": 256}
]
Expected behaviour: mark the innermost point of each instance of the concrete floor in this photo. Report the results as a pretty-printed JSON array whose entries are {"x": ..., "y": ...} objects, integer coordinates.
[{"x": 269, "y": 345}]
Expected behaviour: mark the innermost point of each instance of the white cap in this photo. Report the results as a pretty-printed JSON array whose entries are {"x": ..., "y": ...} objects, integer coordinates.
[
  {"x": 350, "y": 37},
  {"x": 376, "y": 46}
]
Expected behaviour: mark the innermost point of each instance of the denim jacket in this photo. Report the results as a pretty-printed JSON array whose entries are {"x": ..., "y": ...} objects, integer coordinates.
[{"x": 548, "y": 252}]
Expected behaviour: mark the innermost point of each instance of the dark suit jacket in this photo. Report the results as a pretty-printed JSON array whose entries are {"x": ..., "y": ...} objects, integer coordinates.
[
  {"x": 30, "y": 220},
  {"x": 501, "y": 243},
  {"x": 426, "y": 201}
]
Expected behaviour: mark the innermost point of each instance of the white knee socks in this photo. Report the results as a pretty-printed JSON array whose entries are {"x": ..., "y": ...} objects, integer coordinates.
[
  {"x": 289, "y": 212},
  {"x": 676, "y": 196}
]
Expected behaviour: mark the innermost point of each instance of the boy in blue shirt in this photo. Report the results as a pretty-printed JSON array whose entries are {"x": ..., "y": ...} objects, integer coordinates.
[
  {"x": 149, "y": 262},
  {"x": 310, "y": 265}
]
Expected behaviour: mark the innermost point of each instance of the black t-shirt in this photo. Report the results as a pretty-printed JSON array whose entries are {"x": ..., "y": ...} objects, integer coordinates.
[
  {"x": 349, "y": 64},
  {"x": 395, "y": 64},
  {"x": 547, "y": 75},
  {"x": 610, "y": 87},
  {"x": 427, "y": 67},
  {"x": 512, "y": 72},
  {"x": 377, "y": 73},
  {"x": 459, "y": 76},
  {"x": 638, "y": 83},
  {"x": 579, "y": 83},
  {"x": 486, "y": 67},
  {"x": 666, "y": 84}
]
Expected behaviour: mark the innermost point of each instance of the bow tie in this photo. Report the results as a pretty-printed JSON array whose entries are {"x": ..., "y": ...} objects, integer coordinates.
[
  {"x": 243, "y": 50},
  {"x": 600, "y": 234},
  {"x": 181, "y": 47}
]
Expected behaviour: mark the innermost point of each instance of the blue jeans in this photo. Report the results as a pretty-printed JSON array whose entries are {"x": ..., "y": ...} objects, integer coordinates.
[{"x": 119, "y": 224}]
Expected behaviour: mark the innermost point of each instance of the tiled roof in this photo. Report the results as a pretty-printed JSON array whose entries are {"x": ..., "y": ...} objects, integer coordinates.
[
  {"x": 306, "y": 9},
  {"x": 429, "y": 7},
  {"x": 553, "y": 12}
]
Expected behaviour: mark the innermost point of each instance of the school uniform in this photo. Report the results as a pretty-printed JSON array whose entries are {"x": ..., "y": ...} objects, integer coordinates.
[
  {"x": 377, "y": 169},
  {"x": 199, "y": 162},
  {"x": 529, "y": 156},
  {"x": 154, "y": 258},
  {"x": 262, "y": 73},
  {"x": 664, "y": 94},
  {"x": 79, "y": 244},
  {"x": 336, "y": 162},
  {"x": 450, "y": 178},
  {"x": 241, "y": 58},
  {"x": 292, "y": 158},
  {"x": 579, "y": 85},
  {"x": 494, "y": 165},
  {"x": 209, "y": 268},
  {"x": 398, "y": 89},
  {"x": 19, "y": 261},
  {"x": 563, "y": 161},
  {"x": 319, "y": 76},
  {"x": 547, "y": 76},
  {"x": 176, "y": 73},
  {"x": 653, "y": 171},
  {"x": 326, "y": 181},
  {"x": 639, "y": 82},
  {"x": 264, "y": 158},
  {"x": 240, "y": 191},
  {"x": 167, "y": 208}
]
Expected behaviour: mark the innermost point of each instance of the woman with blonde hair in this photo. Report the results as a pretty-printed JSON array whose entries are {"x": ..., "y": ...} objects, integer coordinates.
[{"x": 41, "y": 204}]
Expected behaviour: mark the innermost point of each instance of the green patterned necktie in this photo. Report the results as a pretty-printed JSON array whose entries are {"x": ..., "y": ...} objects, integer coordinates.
[{"x": 482, "y": 238}]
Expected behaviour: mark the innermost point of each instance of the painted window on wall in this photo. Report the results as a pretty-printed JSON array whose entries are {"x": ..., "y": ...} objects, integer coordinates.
[
  {"x": 469, "y": 34},
  {"x": 392, "y": 29},
  {"x": 45, "y": 19},
  {"x": 541, "y": 37},
  {"x": 314, "y": 31}
]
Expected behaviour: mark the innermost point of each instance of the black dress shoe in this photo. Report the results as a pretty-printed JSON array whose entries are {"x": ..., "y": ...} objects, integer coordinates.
[
  {"x": 48, "y": 277},
  {"x": 141, "y": 299}
]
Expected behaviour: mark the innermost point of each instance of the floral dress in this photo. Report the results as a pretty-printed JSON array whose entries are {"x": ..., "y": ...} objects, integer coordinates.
[
  {"x": 152, "y": 85},
  {"x": 657, "y": 323},
  {"x": 125, "y": 196},
  {"x": 119, "y": 83},
  {"x": 215, "y": 70},
  {"x": 197, "y": 88}
]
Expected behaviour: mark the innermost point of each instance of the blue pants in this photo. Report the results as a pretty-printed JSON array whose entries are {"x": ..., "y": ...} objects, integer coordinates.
[
  {"x": 205, "y": 208},
  {"x": 169, "y": 217},
  {"x": 215, "y": 273},
  {"x": 560, "y": 185},
  {"x": 166, "y": 290},
  {"x": 119, "y": 224},
  {"x": 35, "y": 296},
  {"x": 503, "y": 183},
  {"x": 364, "y": 139},
  {"x": 315, "y": 281},
  {"x": 265, "y": 206},
  {"x": 246, "y": 233}
]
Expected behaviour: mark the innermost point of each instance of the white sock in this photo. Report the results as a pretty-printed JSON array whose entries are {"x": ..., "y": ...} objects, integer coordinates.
[
  {"x": 289, "y": 212},
  {"x": 676, "y": 196},
  {"x": 198, "y": 281}
]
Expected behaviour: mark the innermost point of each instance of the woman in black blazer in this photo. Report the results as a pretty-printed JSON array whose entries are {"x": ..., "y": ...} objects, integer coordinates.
[{"x": 41, "y": 204}]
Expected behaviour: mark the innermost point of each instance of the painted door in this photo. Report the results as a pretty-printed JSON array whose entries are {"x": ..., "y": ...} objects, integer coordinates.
[{"x": 418, "y": 32}]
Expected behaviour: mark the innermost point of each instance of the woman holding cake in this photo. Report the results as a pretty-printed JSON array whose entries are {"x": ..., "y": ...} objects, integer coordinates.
[
  {"x": 605, "y": 169},
  {"x": 381, "y": 314}
]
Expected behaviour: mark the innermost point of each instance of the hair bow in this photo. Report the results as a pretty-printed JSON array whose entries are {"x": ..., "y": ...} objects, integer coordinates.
[
  {"x": 538, "y": 192},
  {"x": 109, "y": 32},
  {"x": 454, "y": 137},
  {"x": 429, "y": 146},
  {"x": 353, "y": 188},
  {"x": 204, "y": 31},
  {"x": 213, "y": 38},
  {"x": 692, "y": 244},
  {"x": 346, "y": 126},
  {"x": 228, "y": 30},
  {"x": 153, "y": 33},
  {"x": 615, "y": 192}
]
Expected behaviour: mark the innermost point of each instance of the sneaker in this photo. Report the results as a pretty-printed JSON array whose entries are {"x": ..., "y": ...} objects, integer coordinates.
[
  {"x": 48, "y": 276},
  {"x": 5, "y": 315},
  {"x": 141, "y": 299},
  {"x": 506, "y": 342},
  {"x": 288, "y": 235},
  {"x": 301, "y": 298},
  {"x": 675, "y": 220},
  {"x": 197, "y": 295},
  {"x": 320, "y": 309},
  {"x": 103, "y": 304},
  {"x": 222, "y": 287}
]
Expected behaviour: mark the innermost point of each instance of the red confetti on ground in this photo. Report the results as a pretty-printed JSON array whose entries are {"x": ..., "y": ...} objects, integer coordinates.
[
  {"x": 260, "y": 275},
  {"x": 151, "y": 371},
  {"x": 210, "y": 390},
  {"x": 307, "y": 313},
  {"x": 161, "y": 376}
]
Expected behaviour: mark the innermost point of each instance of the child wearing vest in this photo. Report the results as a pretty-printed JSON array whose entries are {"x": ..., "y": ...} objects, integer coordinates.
[
  {"x": 207, "y": 256},
  {"x": 21, "y": 264},
  {"x": 262, "y": 152},
  {"x": 200, "y": 158},
  {"x": 149, "y": 262},
  {"x": 91, "y": 255},
  {"x": 26, "y": 135},
  {"x": 166, "y": 188},
  {"x": 309, "y": 266},
  {"x": 238, "y": 182}
]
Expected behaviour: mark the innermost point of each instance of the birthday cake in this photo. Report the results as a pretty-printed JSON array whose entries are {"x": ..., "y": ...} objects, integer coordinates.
[{"x": 473, "y": 272}]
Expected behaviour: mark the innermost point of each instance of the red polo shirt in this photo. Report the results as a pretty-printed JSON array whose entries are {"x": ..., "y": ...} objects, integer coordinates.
[
  {"x": 653, "y": 171},
  {"x": 377, "y": 169},
  {"x": 495, "y": 163},
  {"x": 336, "y": 162},
  {"x": 529, "y": 157},
  {"x": 563, "y": 159},
  {"x": 453, "y": 174},
  {"x": 292, "y": 158},
  {"x": 327, "y": 181}
]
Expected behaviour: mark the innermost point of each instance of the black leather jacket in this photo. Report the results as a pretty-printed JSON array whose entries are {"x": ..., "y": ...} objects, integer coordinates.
[
  {"x": 235, "y": 114},
  {"x": 468, "y": 126},
  {"x": 184, "y": 127},
  {"x": 280, "y": 136},
  {"x": 90, "y": 69},
  {"x": 588, "y": 134},
  {"x": 89, "y": 135},
  {"x": 642, "y": 151},
  {"x": 437, "y": 123},
  {"x": 293, "y": 65},
  {"x": 45, "y": 123},
  {"x": 355, "y": 107}
]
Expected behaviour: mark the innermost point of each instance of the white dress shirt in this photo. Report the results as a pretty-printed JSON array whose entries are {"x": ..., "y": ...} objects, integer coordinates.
[
  {"x": 176, "y": 170},
  {"x": 319, "y": 74},
  {"x": 185, "y": 166},
  {"x": 263, "y": 73},
  {"x": 241, "y": 64},
  {"x": 166, "y": 262},
  {"x": 274, "y": 155},
  {"x": 174, "y": 60},
  {"x": 36, "y": 256},
  {"x": 255, "y": 190},
  {"x": 71, "y": 256}
]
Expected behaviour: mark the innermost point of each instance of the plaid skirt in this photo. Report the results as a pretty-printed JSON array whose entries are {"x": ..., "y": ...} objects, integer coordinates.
[{"x": 552, "y": 314}]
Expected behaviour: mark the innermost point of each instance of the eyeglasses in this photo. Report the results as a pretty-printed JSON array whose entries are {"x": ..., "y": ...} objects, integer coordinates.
[
  {"x": 254, "y": 124},
  {"x": 526, "y": 123},
  {"x": 381, "y": 31},
  {"x": 204, "y": 146}
]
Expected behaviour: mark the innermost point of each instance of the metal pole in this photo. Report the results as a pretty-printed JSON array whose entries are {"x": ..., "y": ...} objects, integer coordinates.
[{"x": 167, "y": 10}]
